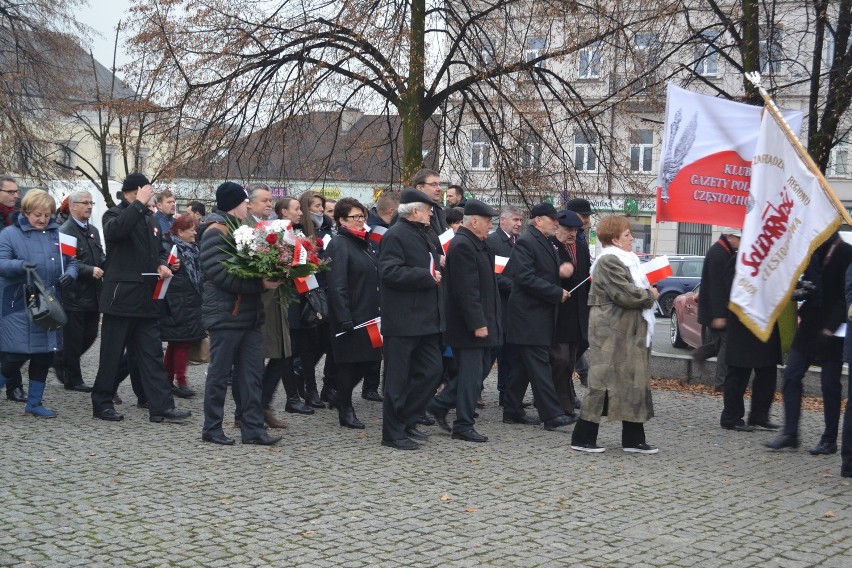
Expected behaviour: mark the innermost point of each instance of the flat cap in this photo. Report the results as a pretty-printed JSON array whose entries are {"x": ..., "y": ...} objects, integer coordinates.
[
  {"x": 732, "y": 231},
  {"x": 569, "y": 219},
  {"x": 580, "y": 205},
  {"x": 412, "y": 195},
  {"x": 476, "y": 207},
  {"x": 543, "y": 209}
]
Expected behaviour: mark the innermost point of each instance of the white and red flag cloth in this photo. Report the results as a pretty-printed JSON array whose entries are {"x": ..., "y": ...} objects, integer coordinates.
[
  {"x": 67, "y": 244},
  {"x": 374, "y": 332},
  {"x": 306, "y": 283},
  {"x": 705, "y": 162},
  {"x": 376, "y": 233},
  {"x": 432, "y": 270},
  {"x": 163, "y": 284},
  {"x": 500, "y": 263},
  {"x": 445, "y": 239},
  {"x": 300, "y": 253},
  {"x": 788, "y": 217},
  {"x": 657, "y": 268}
]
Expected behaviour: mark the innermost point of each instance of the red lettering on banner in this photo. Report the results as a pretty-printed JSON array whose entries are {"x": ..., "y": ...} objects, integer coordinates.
[{"x": 775, "y": 223}]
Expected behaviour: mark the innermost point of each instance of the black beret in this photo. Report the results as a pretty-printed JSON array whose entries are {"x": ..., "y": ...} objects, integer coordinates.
[
  {"x": 476, "y": 207},
  {"x": 411, "y": 195},
  {"x": 580, "y": 205},
  {"x": 543, "y": 209},
  {"x": 569, "y": 219},
  {"x": 134, "y": 181},
  {"x": 229, "y": 195}
]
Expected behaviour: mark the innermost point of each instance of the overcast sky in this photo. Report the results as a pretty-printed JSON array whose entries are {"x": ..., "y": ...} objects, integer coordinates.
[{"x": 103, "y": 16}]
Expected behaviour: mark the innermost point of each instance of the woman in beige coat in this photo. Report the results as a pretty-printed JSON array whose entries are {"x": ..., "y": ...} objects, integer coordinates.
[{"x": 621, "y": 324}]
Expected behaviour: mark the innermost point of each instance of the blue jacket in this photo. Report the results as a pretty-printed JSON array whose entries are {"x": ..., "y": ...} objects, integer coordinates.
[{"x": 21, "y": 243}]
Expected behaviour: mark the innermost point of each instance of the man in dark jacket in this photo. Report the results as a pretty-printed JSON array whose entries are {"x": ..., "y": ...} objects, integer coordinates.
[
  {"x": 135, "y": 261},
  {"x": 455, "y": 196},
  {"x": 533, "y": 305},
  {"x": 233, "y": 313},
  {"x": 821, "y": 314},
  {"x": 502, "y": 241},
  {"x": 81, "y": 300},
  {"x": 412, "y": 319},
  {"x": 713, "y": 301},
  {"x": 473, "y": 319},
  {"x": 9, "y": 193},
  {"x": 429, "y": 183}
]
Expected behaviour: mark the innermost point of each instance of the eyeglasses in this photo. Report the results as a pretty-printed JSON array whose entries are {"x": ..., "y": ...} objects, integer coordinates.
[
  {"x": 432, "y": 183},
  {"x": 356, "y": 217},
  {"x": 10, "y": 190},
  {"x": 85, "y": 202}
]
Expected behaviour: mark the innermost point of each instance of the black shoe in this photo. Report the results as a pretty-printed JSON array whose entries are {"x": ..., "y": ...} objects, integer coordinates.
[
  {"x": 522, "y": 419},
  {"x": 329, "y": 395},
  {"x": 313, "y": 400},
  {"x": 470, "y": 436},
  {"x": 17, "y": 394},
  {"x": 373, "y": 396},
  {"x": 588, "y": 448},
  {"x": 559, "y": 422},
  {"x": 347, "y": 418},
  {"x": 770, "y": 426},
  {"x": 440, "y": 419},
  {"x": 220, "y": 439},
  {"x": 108, "y": 414},
  {"x": 416, "y": 434},
  {"x": 82, "y": 387},
  {"x": 784, "y": 441},
  {"x": 738, "y": 426},
  {"x": 183, "y": 392},
  {"x": 845, "y": 471},
  {"x": 404, "y": 444},
  {"x": 171, "y": 415},
  {"x": 296, "y": 406},
  {"x": 823, "y": 449},
  {"x": 425, "y": 421},
  {"x": 264, "y": 440},
  {"x": 642, "y": 449}
]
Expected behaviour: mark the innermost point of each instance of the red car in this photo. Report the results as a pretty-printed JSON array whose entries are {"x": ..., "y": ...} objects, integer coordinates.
[{"x": 684, "y": 330}]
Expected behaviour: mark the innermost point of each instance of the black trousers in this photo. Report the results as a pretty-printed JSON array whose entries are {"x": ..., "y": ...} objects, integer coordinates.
[
  {"x": 372, "y": 378},
  {"x": 461, "y": 393},
  {"x": 128, "y": 367},
  {"x": 238, "y": 352},
  {"x": 586, "y": 433},
  {"x": 413, "y": 370},
  {"x": 143, "y": 336},
  {"x": 534, "y": 369},
  {"x": 563, "y": 357},
  {"x": 762, "y": 393},
  {"x": 77, "y": 336},
  {"x": 348, "y": 376},
  {"x": 11, "y": 363},
  {"x": 832, "y": 394},
  {"x": 846, "y": 435}
]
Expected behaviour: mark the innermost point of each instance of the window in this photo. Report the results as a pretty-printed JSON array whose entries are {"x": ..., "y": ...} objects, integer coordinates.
[
  {"x": 585, "y": 155},
  {"x": 108, "y": 162},
  {"x": 707, "y": 58},
  {"x": 533, "y": 48},
  {"x": 838, "y": 162},
  {"x": 480, "y": 151},
  {"x": 531, "y": 149},
  {"x": 641, "y": 150},
  {"x": 66, "y": 154},
  {"x": 142, "y": 160},
  {"x": 485, "y": 53},
  {"x": 694, "y": 238},
  {"x": 827, "y": 49},
  {"x": 647, "y": 52},
  {"x": 771, "y": 51},
  {"x": 590, "y": 62}
]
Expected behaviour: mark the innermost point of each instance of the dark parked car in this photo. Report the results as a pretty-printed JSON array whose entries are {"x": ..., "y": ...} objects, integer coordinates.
[
  {"x": 684, "y": 329},
  {"x": 686, "y": 275}
]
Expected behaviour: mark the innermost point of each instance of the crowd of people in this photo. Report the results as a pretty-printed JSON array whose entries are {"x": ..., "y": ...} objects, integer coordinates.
[{"x": 453, "y": 295}]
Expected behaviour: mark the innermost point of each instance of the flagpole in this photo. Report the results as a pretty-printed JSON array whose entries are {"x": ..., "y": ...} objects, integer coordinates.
[{"x": 754, "y": 78}]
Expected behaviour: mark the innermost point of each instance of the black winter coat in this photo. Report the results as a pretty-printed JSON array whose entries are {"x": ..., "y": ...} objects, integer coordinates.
[
  {"x": 572, "y": 320},
  {"x": 715, "y": 287},
  {"x": 180, "y": 318},
  {"x": 412, "y": 303},
  {"x": 501, "y": 244},
  {"x": 353, "y": 296},
  {"x": 229, "y": 302},
  {"x": 133, "y": 243},
  {"x": 744, "y": 348},
  {"x": 472, "y": 295},
  {"x": 84, "y": 294},
  {"x": 536, "y": 290}
]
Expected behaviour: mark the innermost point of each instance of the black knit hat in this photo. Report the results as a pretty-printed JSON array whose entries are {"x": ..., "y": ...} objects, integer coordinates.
[
  {"x": 134, "y": 181},
  {"x": 229, "y": 195}
]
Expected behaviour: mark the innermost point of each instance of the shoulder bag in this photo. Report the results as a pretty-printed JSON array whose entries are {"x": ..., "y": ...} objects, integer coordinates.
[{"x": 43, "y": 308}]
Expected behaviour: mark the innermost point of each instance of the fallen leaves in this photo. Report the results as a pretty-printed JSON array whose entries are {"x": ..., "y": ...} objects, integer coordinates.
[
  {"x": 445, "y": 497},
  {"x": 470, "y": 510},
  {"x": 307, "y": 533},
  {"x": 829, "y": 514}
]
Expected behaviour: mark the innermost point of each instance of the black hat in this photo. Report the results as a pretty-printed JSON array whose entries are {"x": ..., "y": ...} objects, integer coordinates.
[
  {"x": 580, "y": 205},
  {"x": 414, "y": 196},
  {"x": 569, "y": 219},
  {"x": 134, "y": 181},
  {"x": 545, "y": 209},
  {"x": 476, "y": 207},
  {"x": 229, "y": 195}
]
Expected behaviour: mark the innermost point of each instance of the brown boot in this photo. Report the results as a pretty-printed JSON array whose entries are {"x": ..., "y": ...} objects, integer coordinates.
[{"x": 271, "y": 420}]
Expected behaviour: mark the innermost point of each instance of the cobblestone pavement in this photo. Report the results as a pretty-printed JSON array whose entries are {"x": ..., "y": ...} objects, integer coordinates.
[{"x": 81, "y": 492}]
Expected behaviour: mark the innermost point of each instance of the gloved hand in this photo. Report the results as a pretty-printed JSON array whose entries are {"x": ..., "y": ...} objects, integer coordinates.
[
  {"x": 28, "y": 265},
  {"x": 346, "y": 326},
  {"x": 65, "y": 280}
]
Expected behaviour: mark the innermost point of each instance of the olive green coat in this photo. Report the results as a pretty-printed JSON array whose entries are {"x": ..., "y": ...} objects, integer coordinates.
[{"x": 618, "y": 358}]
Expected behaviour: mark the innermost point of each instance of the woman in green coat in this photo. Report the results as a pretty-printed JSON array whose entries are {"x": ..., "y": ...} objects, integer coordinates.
[{"x": 621, "y": 324}]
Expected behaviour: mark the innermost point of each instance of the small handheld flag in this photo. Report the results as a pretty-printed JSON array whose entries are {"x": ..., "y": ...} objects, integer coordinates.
[
  {"x": 657, "y": 268},
  {"x": 445, "y": 239},
  {"x": 67, "y": 244},
  {"x": 306, "y": 283},
  {"x": 500, "y": 263}
]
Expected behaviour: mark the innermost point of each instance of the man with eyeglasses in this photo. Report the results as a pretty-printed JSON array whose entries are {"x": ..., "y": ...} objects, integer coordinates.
[
  {"x": 429, "y": 182},
  {"x": 8, "y": 195},
  {"x": 81, "y": 300}
]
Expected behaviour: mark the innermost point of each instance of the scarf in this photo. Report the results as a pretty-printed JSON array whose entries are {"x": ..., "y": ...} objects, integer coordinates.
[
  {"x": 318, "y": 220},
  {"x": 188, "y": 254},
  {"x": 631, "y": 261},
  {"x": 7, "y": 211},
  {"x": 360, "y": 233}
]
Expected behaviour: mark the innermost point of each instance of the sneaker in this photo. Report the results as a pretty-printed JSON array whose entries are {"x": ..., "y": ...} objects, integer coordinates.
[
  {"x": 642, "y": 449},
  {"x": 589, "y": 448}
]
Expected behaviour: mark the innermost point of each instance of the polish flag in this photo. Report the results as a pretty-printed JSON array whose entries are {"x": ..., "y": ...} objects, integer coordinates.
[
  {"x": 300, "y": 254},
  {"x": 500, "y": 263},
  {"x": 374, "y": 330},
  {"x": 432, "y": 269},
  {"x": 657, "y": 268},
  {"x": 163, "y": 284},
  {"x": 67, "y": 244},
  {"x": 445, "y": 239},
  {"x": 325, "y": 240},
  {"x": 376, "y": 233},
  {"x": 306, "y": 283}
]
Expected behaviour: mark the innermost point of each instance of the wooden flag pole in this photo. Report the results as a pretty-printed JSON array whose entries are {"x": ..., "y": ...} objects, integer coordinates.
[{"x": 754, "y": 78}]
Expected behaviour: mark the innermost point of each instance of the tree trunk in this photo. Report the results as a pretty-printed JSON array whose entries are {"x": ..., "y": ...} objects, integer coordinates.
[
  {"x": 750, "y": 49},
  {"x": 411, "y": 105}
]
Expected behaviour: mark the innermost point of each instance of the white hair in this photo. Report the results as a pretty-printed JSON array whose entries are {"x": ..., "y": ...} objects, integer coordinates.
[
  {"x": 405, "y": 210},
  {"x": 78, "y": 193}
]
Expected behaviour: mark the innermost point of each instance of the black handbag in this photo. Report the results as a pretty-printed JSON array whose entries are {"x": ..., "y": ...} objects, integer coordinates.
[
  {"x": 43, "y": 308},
  {"x": 314, "y": 308}
]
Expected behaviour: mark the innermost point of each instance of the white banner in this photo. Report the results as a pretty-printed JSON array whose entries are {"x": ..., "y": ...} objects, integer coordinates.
[{"x": 788, "y": 217}]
